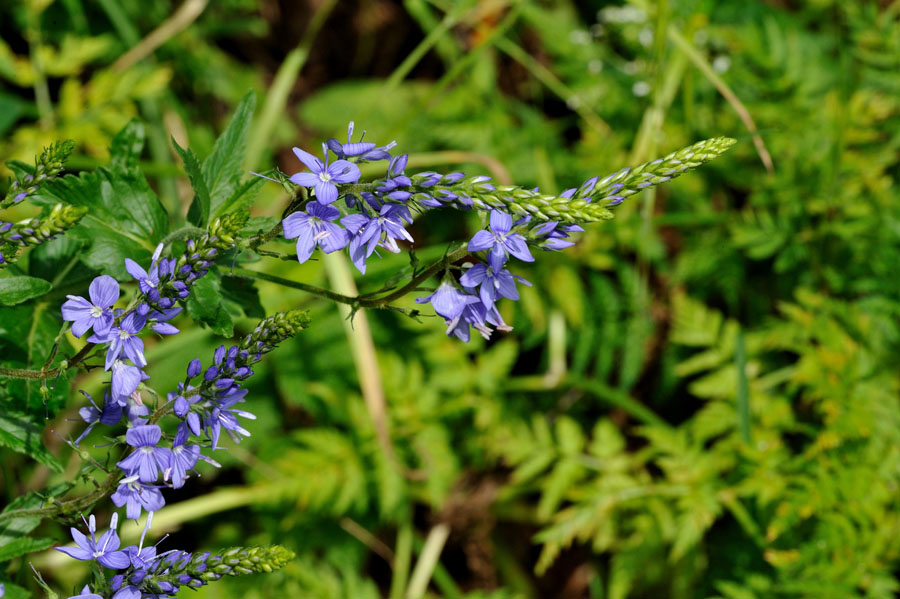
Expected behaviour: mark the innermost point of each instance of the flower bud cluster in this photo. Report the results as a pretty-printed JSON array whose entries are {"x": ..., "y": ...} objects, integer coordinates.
[
  {"x": 36, "y": 231},
  {"x": 49, "y": 164}
]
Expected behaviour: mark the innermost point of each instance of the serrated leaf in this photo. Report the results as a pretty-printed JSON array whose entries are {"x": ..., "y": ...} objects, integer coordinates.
[
  {"x": 223, "y": 167},
  {"x": 241, "y": 197},
  {"x": 15, "y": 290},
  {"x": 19, "y": 433},
  {"x": 242, "y": 297},
  {"x": 205, "y": 305},
  {"x": 125, "y": 219},
  {"x": 126, "y": 147},
  {"x": 198, "y": 213}
]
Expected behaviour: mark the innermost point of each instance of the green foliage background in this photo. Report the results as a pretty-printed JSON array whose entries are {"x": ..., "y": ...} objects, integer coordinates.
[{"x": 700, "y": 399}]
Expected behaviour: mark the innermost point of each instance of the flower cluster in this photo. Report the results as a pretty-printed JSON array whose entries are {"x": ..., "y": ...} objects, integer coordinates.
[
  {"x": 142, "y": 572},
  {"x": 376, "y": 215}
]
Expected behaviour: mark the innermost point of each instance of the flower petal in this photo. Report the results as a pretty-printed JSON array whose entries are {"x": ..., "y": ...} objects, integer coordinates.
[
  {"x": 343, "y": 171},
  {"x": 305, "y": 245},
  {"x": 311, "y": 162},
  {"x": 135, "y": 269},
  {"x": 501, "y": 222},
  {"x": 335, "y": 238},
  {"x": 481, "y": 241},
  {"x": 294, "y": 224},
  {"x": 104, "y": 291},
  {"x": 305, "y": 179},
  {"x": 326, "y": 192}
]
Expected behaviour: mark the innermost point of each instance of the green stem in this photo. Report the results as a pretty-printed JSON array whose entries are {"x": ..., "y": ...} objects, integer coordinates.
[
  {"x": 359, "y": 301},
  {"x": 402, "y": 557},
  {"x": 21, "y": 373},
  {"x": 428, "y": 559}
]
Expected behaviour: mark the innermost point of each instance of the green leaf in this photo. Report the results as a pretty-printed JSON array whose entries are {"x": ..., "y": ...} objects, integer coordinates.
[
  {"x": 15, "y": 290},
  {"x": 242, "y": 297},
  {"x": 242, "y": 197},
  {"x": 23, "y": 546},
  {"x": 125, "y": 148},
  {"x": 20, "y": 434},
  {"x": 198, "y": 213},
  {"x": 125, "y": 218},
  {"x": 205, "y": 305},
  {"x": 223, "y": 167},
  {"x": 16, "y": 528}
]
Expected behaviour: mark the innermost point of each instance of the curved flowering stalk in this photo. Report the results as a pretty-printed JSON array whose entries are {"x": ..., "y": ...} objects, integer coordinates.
[
  {"x": 48, "y": 165},
  {"x": 376, "y": 215}
]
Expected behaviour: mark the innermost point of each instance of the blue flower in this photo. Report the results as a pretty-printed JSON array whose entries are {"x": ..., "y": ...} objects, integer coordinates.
[
  {"x": 500, "y": 241},
  {"x": 110, "y": 414},
  {"x": 104, "y": 292},
  {"x": 147, "y": 460},
  {"x": 158, "y": 321},
  {"x": 136, "y": 496},
  {"x": 556, "y": 237},
  {"x": 479, "y": 317},
  {"x": 125, "y": 380},
  {"x": 371, "y": 231},
  {"x": 324, "y": 176},
  {"x": 494, "y": 284},
  {"x": 103, "y": 549},
  {"x": 147, "y": 281},
  {"x": 124, "y": 338},
  {"x": 184, "y": 458},
  {"x": 225, "y": 416},
  {"x": 314, "y": 228},
  {"x": 448, "y": 301}
]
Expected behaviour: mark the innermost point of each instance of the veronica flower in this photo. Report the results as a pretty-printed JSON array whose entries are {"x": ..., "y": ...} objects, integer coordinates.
[
  {"x": 225, "y": 416},
  {"x": 494, "y": 284},
  {"x": 110, "y": 414},
  {"x": 371, "y": 231},
  {"x": 314, "y": 228},
  {"x": 448, "y": 301},
  {"x": 84, "y": 314},
  {"x": 324, "y": 176},
  {"x": 125, "y": 338},
  {"x": 158, "y": 321},
  {"x": 147, "y": 460},
  {"x": 479, "y": 317},
  {"x": 103, "y": 549},
  {"x": 556, "y": 237},
  {"x": 184, "y": 458},
  {"x": 500, "y": 240},
  {"x": 147, "y": 281},
  {"x": 125, "y": 380},
  {"x": 136, "y": 496}
]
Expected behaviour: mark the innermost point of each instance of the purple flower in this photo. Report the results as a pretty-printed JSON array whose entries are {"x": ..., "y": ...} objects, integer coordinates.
[
  {"x": 369, "y": 232},
  {"x": 137, "y": 496},
  {"x": 324, "y": 176},
  {"x": 125, "y": 380},
  {"x": 493, "y": 284},
  {"x": 125, "y": 338},
  {"x": 500, "y": 241},
  {"x": 184, "y": 458},
  {"x": 479, "y": 317},
  {"x": 448, "y": 301},
  {"x": 556, "y": 237},
  {"x": 147, "y": 460},
  {"x": 104, "y": 292},
  {"x": 225, "y": 416},
  {"x": 110, "y": 414},
  {"x": 315, "y": 228},
  {"x": 158, "y": 321},
  {"x": 147, "y": 281},
  {"x": 103, "y": 549}
]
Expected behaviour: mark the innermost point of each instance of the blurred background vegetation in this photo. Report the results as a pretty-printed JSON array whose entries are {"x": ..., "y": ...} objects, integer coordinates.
[{"x": 700, "y": 399}]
